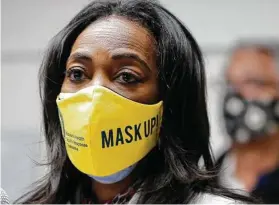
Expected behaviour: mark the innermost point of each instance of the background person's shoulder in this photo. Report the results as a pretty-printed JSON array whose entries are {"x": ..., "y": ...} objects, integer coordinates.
[{"x": 205, "y": 198}]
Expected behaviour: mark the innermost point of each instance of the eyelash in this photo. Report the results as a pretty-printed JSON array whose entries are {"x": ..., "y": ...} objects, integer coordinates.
[
  {"x": 119, "y": 77},
  {"x": 129, "y": 74},
  {"x": 70, "y": 74}
]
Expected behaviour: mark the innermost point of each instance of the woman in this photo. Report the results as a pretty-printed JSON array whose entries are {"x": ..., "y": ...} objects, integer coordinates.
[{"x": 125, "y": 82}]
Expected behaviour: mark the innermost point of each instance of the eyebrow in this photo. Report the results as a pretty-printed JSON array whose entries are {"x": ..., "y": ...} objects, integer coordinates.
[
  {"x": 80, "y": 56},
  {"x": 132, "y": 56},
  {"x": 87, "y": 57}
]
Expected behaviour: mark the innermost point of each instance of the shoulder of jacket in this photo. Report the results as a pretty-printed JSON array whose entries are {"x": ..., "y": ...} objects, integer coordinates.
[
  {"x": 206, "y": 198},
  {"x": 202, "y": 198}
]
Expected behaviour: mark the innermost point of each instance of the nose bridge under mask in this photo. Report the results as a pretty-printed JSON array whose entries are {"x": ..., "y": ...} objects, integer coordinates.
[{"x": 100, "y": 78}]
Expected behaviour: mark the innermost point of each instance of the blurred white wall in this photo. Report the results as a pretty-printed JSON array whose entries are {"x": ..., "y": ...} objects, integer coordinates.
[{"x": 28, "y": 25}]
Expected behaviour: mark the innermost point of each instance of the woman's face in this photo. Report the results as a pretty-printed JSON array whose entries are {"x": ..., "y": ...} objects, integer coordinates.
[{"x": 115, "y": 53}]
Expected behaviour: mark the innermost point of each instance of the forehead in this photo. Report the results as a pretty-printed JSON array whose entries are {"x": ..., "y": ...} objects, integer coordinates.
[
  {"x": 252, "y": 63},
  {"x": 115, "y": 32}
]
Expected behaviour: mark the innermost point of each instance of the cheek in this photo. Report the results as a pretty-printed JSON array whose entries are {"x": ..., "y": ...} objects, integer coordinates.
[
  {"x": 68, "y": 87},
  {"x": 150, "y": 94},
  {"x": 146, "y": 93}
]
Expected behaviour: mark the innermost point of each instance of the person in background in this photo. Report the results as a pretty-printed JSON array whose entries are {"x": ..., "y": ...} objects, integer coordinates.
[{"x": 251, "y": 114}]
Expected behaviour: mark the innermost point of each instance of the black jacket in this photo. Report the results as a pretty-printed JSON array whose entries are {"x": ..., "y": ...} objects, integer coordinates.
[{"x": 267, "y": 188}]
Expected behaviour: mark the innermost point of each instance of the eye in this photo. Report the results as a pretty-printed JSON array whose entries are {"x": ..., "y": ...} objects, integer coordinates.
[
  {"x": 128, "y": 78},
  {"x": 76, "y": 74}
]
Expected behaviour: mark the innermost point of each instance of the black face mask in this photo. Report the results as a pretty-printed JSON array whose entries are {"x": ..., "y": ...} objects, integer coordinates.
[{"x": 245, "y": 120}]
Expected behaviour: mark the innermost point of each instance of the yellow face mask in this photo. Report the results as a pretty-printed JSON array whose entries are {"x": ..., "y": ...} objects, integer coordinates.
[{"x": 104, "y": 132}]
